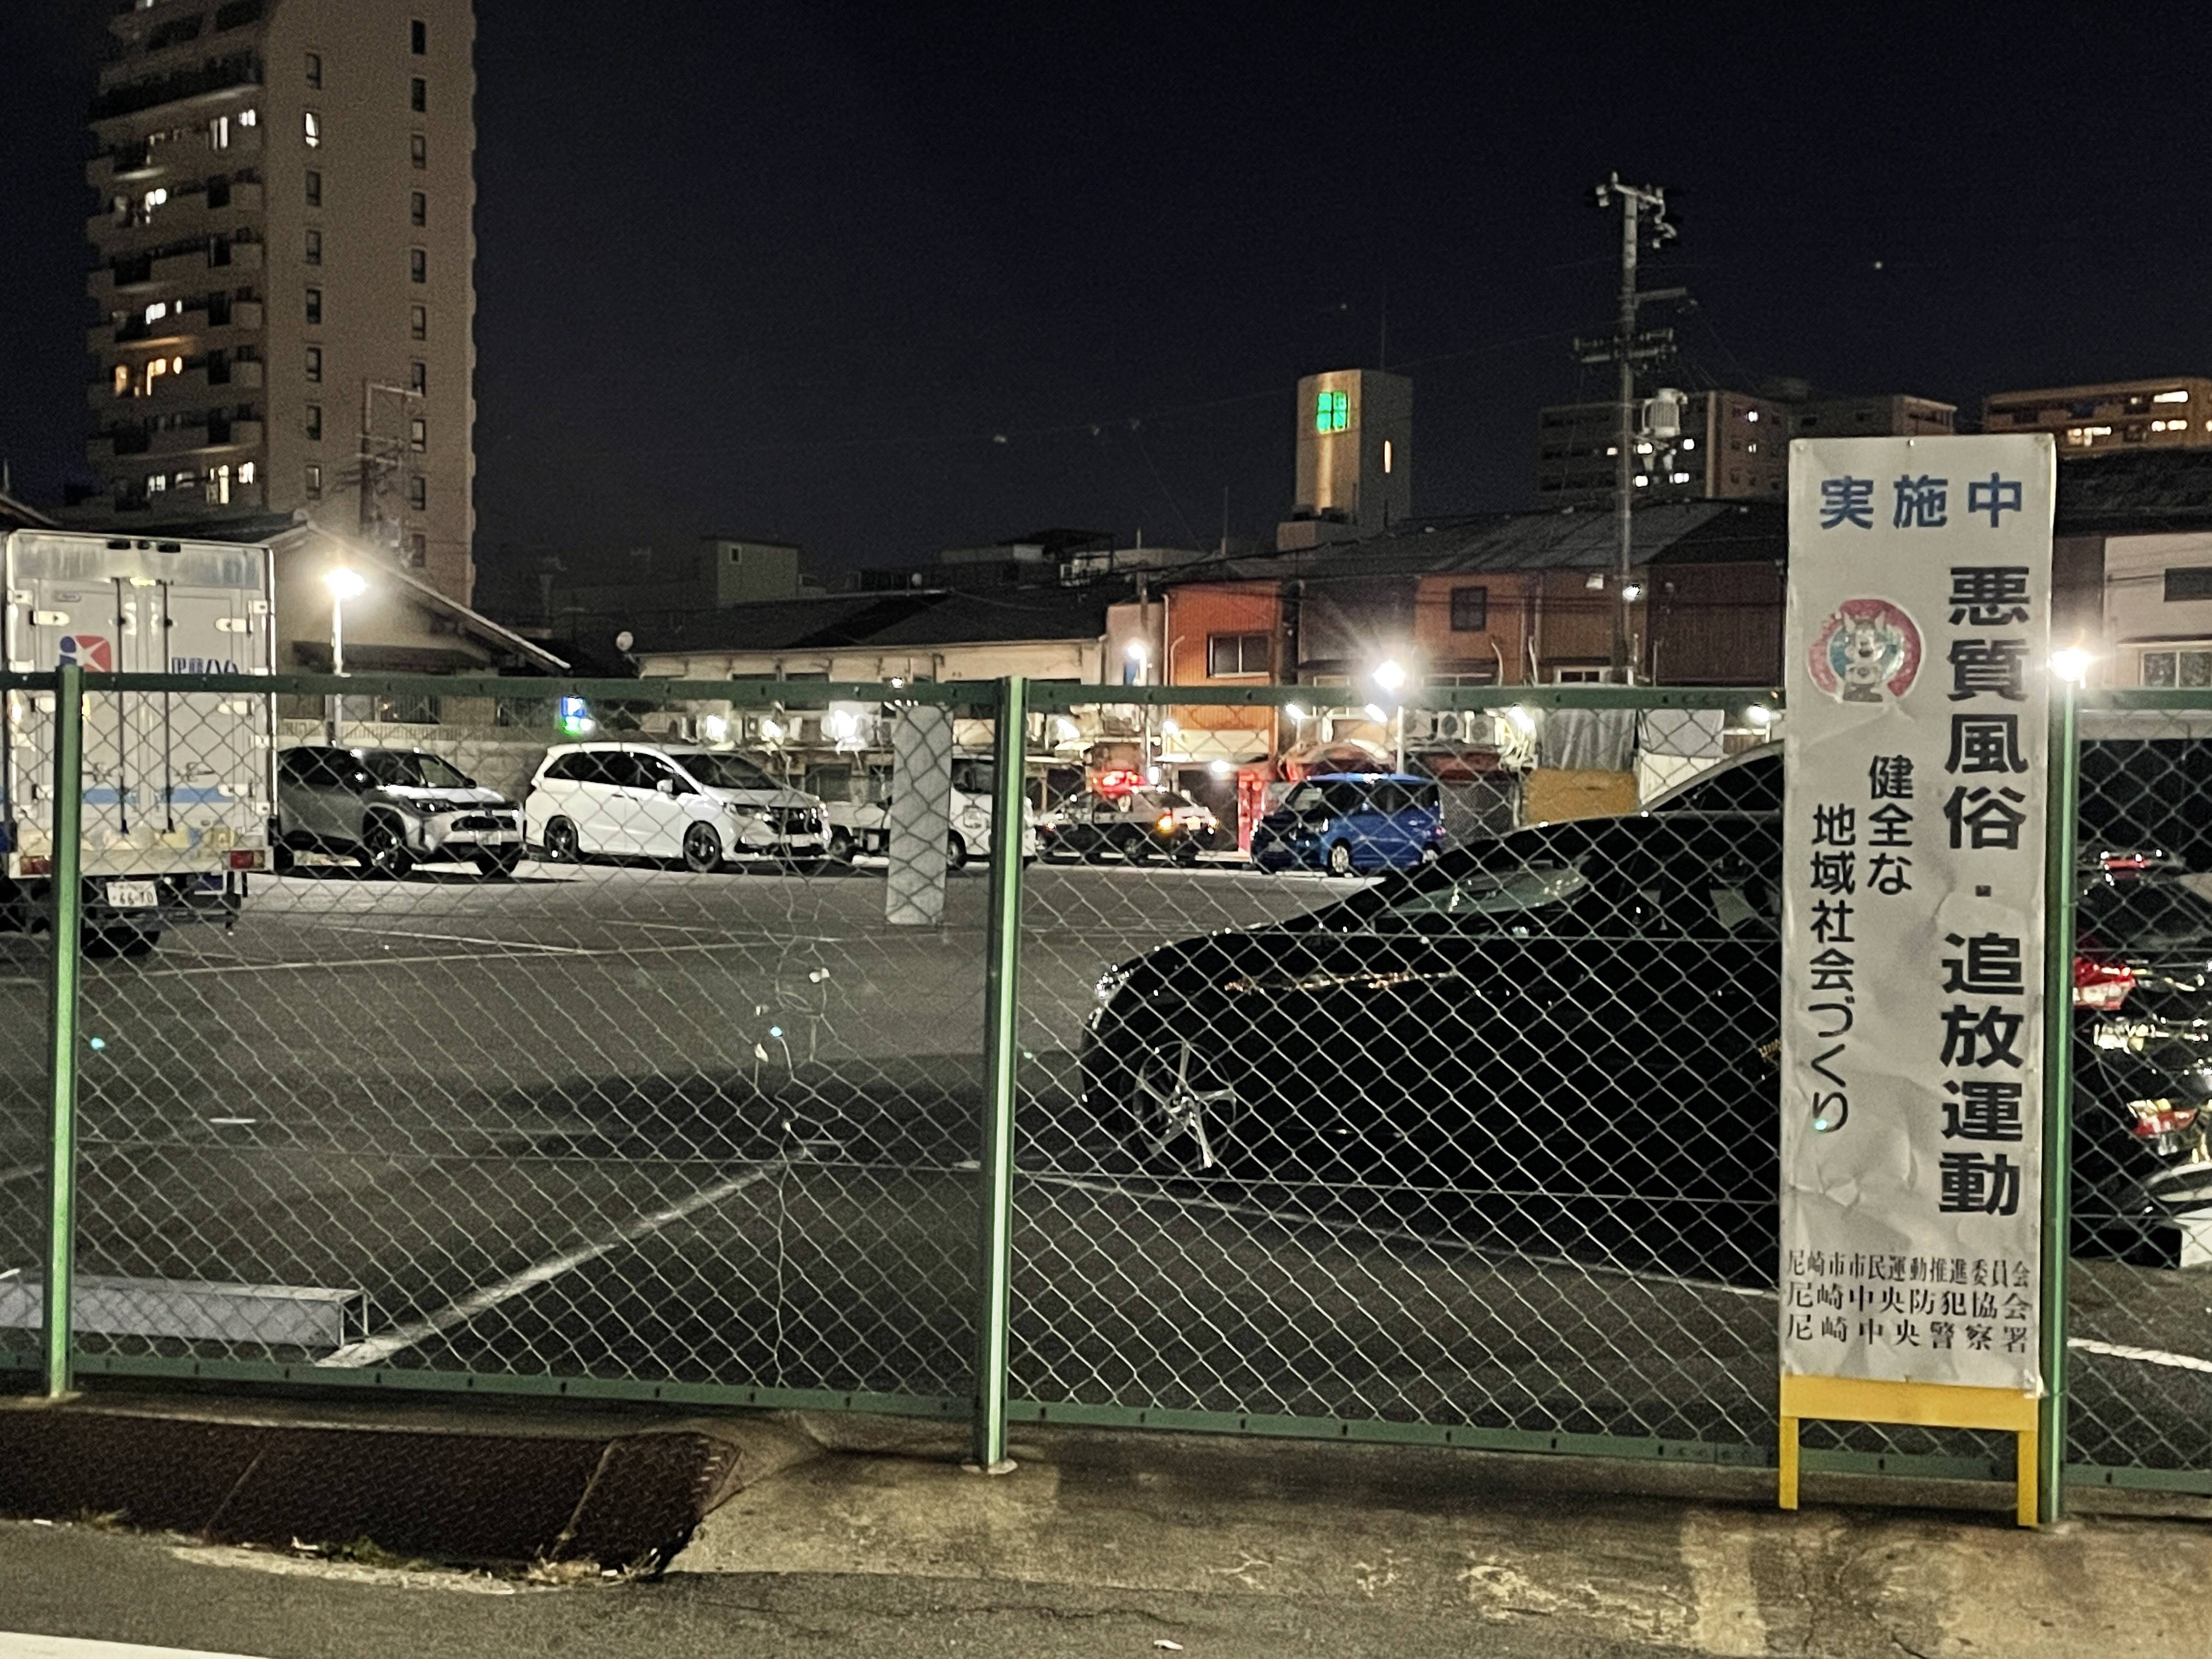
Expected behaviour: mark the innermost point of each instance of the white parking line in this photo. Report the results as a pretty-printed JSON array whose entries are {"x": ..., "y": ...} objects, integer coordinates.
[
  {"x": 375, "y": 1350},
  {"x": 16, "y": 1644},
  {"x": 2180, "y": 1361},
  {"x": 463, "y": 939},
  {"x": 1502, "y": 1254}
]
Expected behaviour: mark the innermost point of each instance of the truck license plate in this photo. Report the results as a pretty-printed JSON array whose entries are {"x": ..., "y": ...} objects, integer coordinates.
[{"x": 132, "y": 895}]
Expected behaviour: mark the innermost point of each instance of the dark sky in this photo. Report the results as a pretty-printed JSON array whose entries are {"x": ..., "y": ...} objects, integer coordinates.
[{"x": 880, "y": 279}]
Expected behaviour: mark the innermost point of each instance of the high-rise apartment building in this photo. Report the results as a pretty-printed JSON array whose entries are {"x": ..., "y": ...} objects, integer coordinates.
[
  {"x": 284, "y": 269},
  {"x": 1734, "y": 445},
  {"x": 2112, "y": 415}
]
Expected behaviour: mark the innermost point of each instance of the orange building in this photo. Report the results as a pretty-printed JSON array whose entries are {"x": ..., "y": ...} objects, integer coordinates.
[{"x": 1225, "y": 633}]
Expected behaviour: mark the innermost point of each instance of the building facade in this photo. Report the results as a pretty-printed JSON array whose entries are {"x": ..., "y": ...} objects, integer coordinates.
[
  {"x": 1734, "y": 445},
  {"x": 2117, "y": 416},
  {"x": 284, "y": 270},
  {"x": 1355, "y": 457}
]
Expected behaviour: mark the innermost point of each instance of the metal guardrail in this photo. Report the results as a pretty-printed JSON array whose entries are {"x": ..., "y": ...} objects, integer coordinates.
[{"x": 623, "y": 1123}]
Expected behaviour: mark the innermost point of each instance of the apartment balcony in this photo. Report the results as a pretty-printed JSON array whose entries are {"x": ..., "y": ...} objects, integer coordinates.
[
  {"x": 198, "y": 384},
  {"x": 187, "y": 331},
  {"x": 208, "y": 81},
  {"x": 218, "y": 434},
  {"x": 190, "y": 212}
]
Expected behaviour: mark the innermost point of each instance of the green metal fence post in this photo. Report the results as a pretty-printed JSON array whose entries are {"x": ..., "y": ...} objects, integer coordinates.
[
  {"x": 2059, "y": 899},
  {"x": 1001, "y": 1056},
  {"x": 67, "y": 818}
]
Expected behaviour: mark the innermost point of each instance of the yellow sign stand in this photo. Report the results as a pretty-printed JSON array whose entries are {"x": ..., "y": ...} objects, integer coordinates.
[{"x": 1927, "y": 1405}]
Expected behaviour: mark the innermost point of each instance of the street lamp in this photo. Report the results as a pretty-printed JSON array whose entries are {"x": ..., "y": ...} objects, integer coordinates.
[
  {"x": 1390, "y": 676},
  {"x": 345, "y": 585},
  {"x": 2070, "y": 664}
]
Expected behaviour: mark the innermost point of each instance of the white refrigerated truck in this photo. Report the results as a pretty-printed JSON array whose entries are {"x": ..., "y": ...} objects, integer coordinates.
[{"x": 178, "y": 785}]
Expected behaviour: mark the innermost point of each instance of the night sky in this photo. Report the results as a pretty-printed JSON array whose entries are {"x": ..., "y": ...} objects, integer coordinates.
[{"x": 883, "y": 279}]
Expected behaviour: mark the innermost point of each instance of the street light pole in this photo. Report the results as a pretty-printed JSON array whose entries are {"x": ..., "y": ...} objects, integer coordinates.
[{"x": 344, "y": 584}]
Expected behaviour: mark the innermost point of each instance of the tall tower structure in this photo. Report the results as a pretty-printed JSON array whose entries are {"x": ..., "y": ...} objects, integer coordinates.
[
  {"x": 1355, "y": 457},
  {"x": 284, "y": 258}
]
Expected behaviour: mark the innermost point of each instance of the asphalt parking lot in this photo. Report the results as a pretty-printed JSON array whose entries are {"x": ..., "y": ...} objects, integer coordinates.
[{"x": 643, "y": 1123}]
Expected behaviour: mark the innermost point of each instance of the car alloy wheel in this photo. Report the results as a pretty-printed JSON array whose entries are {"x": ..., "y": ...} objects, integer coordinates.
[
  {"x": 1180, "y": 1123},
  {"x": 561, "y": 845},
  {"x": 383, "y": 849},
  {"x": 702, "y": 848},
  {"x": 1340, "y": 859}
]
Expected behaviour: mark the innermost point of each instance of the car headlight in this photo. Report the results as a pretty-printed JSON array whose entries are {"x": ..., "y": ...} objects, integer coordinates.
[{"x": 753, "y": 814}]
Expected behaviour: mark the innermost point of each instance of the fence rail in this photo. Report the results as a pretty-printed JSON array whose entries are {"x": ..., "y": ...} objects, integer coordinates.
[{"x": 1299, "y": 1066}]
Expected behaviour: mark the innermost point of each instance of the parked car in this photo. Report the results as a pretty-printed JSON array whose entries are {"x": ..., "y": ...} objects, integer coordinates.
[
  {"x": 392, "y": 809},
  {"x": 703, "y": 806},
  {"x": 1129, "y": 825},
  {"x": 1347, "y": 822},
  {"x": 1574, "y": 1028},
  {"x": 863, "y": 828}
]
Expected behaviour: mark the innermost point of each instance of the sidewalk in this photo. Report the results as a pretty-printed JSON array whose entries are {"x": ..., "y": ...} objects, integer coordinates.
[{"x": 864, "y": 1536}]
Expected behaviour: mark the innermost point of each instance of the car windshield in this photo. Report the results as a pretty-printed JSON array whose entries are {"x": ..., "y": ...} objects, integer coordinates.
[
  {"x": 407, "y": 770},
  {"x": 725, "y": 771},
  {"x": 1751, "y": 786},
  {"x": 2146, "y": 911}
]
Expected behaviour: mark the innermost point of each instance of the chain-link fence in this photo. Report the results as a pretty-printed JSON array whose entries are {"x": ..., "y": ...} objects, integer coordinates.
[{"x": 1389, "y": 1073}]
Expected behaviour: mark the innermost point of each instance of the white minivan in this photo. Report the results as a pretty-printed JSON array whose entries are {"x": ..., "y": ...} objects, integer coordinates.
[{"x": 705, "y": 806}]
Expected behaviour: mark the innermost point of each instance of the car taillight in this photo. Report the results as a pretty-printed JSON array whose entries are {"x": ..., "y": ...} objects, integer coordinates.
[
  {"x": 2161, "y": 1117},
  {"x": 255, "y": 859},
  {"x": 2101, "y": 985},
  {"x": 1167, "y": 824}
]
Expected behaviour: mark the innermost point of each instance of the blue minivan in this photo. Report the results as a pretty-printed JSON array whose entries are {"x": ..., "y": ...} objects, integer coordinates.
[{"x": 1349, "y": 821}]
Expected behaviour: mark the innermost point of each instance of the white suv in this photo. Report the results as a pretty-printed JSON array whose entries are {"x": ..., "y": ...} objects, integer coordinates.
[{"x": 655, "y": 801}]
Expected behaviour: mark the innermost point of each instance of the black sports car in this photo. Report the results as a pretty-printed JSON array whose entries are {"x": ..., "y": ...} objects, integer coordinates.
[{"x": 1574, "y": 1028}]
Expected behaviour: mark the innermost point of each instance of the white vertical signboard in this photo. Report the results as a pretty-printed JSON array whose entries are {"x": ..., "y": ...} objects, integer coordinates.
[{"x": 1916, "y": 753}]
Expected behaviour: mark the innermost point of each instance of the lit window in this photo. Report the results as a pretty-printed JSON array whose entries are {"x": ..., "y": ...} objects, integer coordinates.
[
  {"x": 314, "y": 483},
  {"x": 315, "y": 69},
  {"x": 245, "y": 472},
  {"x": 314, "y": 306},
  {"x": 219, "y": 133},
  {"x": 314, "y": 249},
  {"x": 155, "y": 370},
  {"x": 153, "y": 199},
  {"x": 1642, "y": 480},
  {"x": 1750, "y": 413},
  {"x": 314, "y": 188},
  {"x": 1689, "y": 443},
  {"x": 418, "y": 151},
  {"x": 158, "y": 310},
  {"x": 311, "y": 128},
  {"x": 314, "y": 423},
  {"x": 418, "y": 210},
  {"x": 1678, "y": 477},
  {"x": 418, "y": 323},
  {"x": 2170, "y": 397},
  {"x": 418, "y": 492},
  {"x": 418, "y": 377},
  {"x": 418, "y": 37},
  {"x": 418, "y": 434},
  {"x": 1332, "y": 411},
  {"x": 121, "y": 380},
  {"x": 418, "y": 94},
  {"x": 1751, "y": 448},
  {"x": 315, "y": 363},
  {"x": 218, "y": 485},
  {"x": 157, "y": 483},
  {"x": 418, "y": 265},
  {"x": 249, "y": 117}
]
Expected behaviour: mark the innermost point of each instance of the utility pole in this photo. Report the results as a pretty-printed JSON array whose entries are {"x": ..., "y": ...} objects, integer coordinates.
[{"x": 1628, "y": 347}]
